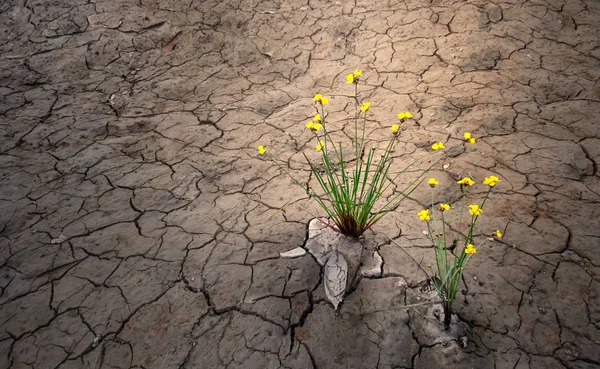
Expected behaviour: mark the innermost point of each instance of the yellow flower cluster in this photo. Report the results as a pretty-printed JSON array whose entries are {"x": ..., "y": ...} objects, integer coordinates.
[
  {"x": 466, "y": 182},
  {"x": 474, "y": 209},
  {"x": 313, "y": 126},
  {"x": 404, "y": 115},
  {"x": 320, "y": 99},
  {"x": 491, "y": 181},
  {"x": 497, "y": 233},
  {"x": 316, "y": 125},
  {"x": 320, "y": 146},
  {"x": 470, "y": 249},
  {"x": 354, "y": 77},
  {"x": 437, "y": 146},
  {"x": 424, "y": 215},
  {"x": 262, "y": 150},
  {"x": 467, "y": 138}
]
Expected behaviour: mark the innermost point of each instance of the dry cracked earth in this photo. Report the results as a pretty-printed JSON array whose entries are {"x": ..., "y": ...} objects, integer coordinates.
[{"x": 139, "y": 227}]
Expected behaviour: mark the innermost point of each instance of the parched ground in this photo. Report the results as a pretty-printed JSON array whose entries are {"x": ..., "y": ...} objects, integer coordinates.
[{"x": 139, "y": 227}]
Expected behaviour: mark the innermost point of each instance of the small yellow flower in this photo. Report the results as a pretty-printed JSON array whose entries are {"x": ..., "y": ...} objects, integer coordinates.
[
  {"x": 466, "y": 182},
  {"x": 320, "y": 99},
  {"x": 467, "y": 138},
  {"x": 438, "y": 145},
  {"x": 433, "y": 182},
  {"x": 424, "y": 215},
  {"x": 444, "y": 207},
  {"x": 314, "y": 126},
  {"x": 320, "y": 145},
  {"x": 491, "y": 181},
  {"x": 317, "y": 118},
  {"x": 474, "y": 209},
  {"x": 365, "y": 107},
  {"x": 497, "y": 233},
  {"x": 470, "y": 249},
  {"x": 262, "y": 150},
  {"x": 404, "y": 115},
  {"x": 354, "y": 77}
]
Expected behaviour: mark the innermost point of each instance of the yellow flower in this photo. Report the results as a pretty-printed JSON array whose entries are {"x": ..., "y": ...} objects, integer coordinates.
[
  {"x": 320, "y": 145},
  {"x": 314, "y": 126},
  {"x": 438, "y": 145},
  {"x": 320, "y": 99},
  {"x": 424, "y": 215},
  {"x": 395, "y": 129},
  {"x": 404, "y": 115},
  {"x": 470, "y": 249},
  {"x": 466, "y": 182},
  {"x": 365, "y": 107},
  {"x": 354, "y": 77},
  {"x": 491, "y": 181},
  {"x": 497, "y": 233},
  {"x": 444, "y": 207},
  {"x": 467, "y": 138},
  {"x": 317, "y": 118},
  {"x": 474, "y": 209},
  {"x": 262, "y": 150},
  {"x": 433, "y": 182}
]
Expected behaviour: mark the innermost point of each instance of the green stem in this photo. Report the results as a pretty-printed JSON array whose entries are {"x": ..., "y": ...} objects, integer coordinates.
[
  {"x": 462, "y": 209},
  {"x": 356, "y": 119},
  {"x": 362, "y": 141},
  {"x": 474, "y": 219},
  {"x": 325, "y": 135},
  {"x": 444, "y": 235},
  {"x": 433, "y": 212}
]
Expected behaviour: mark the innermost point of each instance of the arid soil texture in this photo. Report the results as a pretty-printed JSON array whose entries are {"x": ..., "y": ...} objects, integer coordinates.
[{"x": 140, "y": 228}]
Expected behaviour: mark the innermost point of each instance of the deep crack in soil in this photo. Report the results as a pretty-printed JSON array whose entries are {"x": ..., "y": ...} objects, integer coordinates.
[{"x": 139, "y": 227}]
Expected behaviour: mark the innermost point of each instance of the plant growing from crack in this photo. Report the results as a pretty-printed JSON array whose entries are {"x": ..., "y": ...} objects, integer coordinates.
[
  {"x": 350, "y": 189},
  {"x": 450, "y": 265}
]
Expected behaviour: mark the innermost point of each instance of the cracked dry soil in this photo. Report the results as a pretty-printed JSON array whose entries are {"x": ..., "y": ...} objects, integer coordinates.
[{"x": 139, "y": 228}]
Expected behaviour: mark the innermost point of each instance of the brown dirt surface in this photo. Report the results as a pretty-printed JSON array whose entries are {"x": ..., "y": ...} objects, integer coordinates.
[{"x": 140, "y": 228}]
